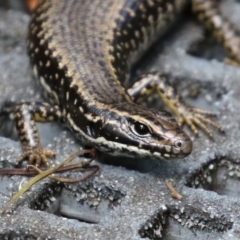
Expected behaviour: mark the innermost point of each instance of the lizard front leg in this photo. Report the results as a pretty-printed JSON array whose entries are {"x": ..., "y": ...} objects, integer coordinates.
[
  {"x": 25, "y": 116},
  {"x": 157, "y": 82}
]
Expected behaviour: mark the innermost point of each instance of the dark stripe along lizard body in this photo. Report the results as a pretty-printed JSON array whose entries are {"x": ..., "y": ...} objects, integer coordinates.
[{"x": 82, "y": 52}]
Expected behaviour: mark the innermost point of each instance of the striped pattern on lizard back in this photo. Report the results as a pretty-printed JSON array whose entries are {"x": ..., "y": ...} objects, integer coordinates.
[{"x": 97, "y": 47}]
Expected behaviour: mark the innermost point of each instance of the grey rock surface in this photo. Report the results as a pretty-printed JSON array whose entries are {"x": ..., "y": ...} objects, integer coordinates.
[{"x": 131, "y": 201}]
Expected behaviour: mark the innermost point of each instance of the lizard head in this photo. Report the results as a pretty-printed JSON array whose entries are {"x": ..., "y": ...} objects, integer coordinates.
[{"x": 135, "y": 131}]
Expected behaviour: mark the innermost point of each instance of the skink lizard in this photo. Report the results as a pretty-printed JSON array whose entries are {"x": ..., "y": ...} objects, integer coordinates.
[{"x": 82, "y": 53}]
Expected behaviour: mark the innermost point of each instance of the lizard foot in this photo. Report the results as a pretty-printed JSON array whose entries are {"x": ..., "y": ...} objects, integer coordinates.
[
  {"x": 36, "y": 156},
  {"x": 196, "y": 118}
]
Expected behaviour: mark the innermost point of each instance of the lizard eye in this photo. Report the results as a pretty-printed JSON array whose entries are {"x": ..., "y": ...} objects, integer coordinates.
[{"x": 140, "y": 129}]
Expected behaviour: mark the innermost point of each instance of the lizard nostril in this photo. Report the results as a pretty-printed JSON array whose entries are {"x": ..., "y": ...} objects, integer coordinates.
[
  {"x": 179, "y": 144},
  {"x": 185, "y": 146}
]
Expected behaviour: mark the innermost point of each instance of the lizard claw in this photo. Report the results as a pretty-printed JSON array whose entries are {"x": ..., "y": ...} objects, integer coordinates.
[
  {"x": 196, "y": 118},
  {"x": 36, "y": 156}
]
